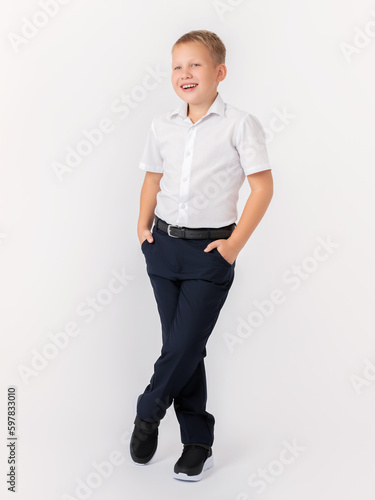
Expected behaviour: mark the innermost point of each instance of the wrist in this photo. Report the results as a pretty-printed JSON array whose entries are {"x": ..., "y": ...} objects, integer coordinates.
[
  {"x": 144, "y": 225},
  {"x": 235, "y": 244}
]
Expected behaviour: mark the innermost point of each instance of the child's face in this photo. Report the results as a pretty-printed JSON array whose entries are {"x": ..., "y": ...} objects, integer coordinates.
[{"x": 192, "y": 64}]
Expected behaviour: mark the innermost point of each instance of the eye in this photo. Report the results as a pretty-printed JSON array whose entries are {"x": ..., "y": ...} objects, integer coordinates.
[
  {"x": 195, "y": 64},
  {"x": 177, "y": 67}
]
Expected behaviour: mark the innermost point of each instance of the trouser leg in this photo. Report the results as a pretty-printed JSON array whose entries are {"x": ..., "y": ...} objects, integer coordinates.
[
  {"x": 166, "y": 293},
  {"x": 196, "y": 423},
  {"x": 190, "y": 405}
]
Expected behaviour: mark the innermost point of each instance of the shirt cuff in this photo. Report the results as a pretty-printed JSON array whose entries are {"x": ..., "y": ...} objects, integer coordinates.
[
  {"x": 257, "y": 168},
  {"x": 151, "y": 168}
]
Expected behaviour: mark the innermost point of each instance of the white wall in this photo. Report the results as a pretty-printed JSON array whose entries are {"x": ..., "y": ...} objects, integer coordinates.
[{"x": 296, "y": 376}]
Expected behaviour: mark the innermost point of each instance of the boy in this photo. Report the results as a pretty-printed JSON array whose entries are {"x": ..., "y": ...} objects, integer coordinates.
[{"x": 196, "y": 159}]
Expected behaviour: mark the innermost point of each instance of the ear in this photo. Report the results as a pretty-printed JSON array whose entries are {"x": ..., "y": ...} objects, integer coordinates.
[{"x": 221, "y": 72}]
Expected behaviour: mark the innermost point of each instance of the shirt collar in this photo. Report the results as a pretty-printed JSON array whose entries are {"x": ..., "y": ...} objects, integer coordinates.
[{"x": 218, "y": 107}]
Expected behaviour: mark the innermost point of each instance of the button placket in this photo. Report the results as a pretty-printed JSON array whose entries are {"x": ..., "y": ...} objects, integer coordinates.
[{"x": 185, "y": 177}]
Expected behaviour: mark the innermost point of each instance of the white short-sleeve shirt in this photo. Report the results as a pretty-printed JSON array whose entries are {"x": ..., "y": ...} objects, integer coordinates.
[{"x": 204, "y": 164}]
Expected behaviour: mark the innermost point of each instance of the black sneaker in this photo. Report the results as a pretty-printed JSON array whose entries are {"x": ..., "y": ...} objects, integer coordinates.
[
  {"x": 144, "y": 440},
  {"x": 195, "y": 459}
]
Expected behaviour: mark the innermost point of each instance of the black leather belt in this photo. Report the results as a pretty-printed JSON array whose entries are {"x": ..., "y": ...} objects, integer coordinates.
[{"x": 194, "y": 234}]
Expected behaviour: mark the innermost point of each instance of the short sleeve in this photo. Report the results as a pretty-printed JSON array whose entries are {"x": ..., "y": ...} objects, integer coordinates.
[
  {"x": 151, "y": 159},
  {"x": 251, "y": 145}
]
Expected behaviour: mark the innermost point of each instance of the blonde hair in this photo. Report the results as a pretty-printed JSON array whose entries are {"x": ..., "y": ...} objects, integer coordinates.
[{"x": 210, "y": 40}]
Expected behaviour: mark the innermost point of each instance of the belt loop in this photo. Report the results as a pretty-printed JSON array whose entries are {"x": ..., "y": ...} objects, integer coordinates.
[{"x": 209, "y": 234}]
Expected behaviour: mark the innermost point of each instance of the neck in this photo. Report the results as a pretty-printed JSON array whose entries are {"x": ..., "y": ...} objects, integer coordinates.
[{"x": 196, "y": 111}]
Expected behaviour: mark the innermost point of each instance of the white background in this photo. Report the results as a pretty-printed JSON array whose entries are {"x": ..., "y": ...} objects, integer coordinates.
[{"x": 61, "y": 241}]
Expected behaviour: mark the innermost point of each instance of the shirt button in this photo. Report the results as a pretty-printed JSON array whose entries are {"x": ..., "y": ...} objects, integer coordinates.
[
  {"x": 183, "y": 205},
  {"x": 188, "y": 153},
  {"x": 184, "y": 179}
]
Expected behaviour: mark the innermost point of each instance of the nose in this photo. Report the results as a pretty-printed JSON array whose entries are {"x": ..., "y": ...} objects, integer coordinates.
[{"x": 186, "y": 73}]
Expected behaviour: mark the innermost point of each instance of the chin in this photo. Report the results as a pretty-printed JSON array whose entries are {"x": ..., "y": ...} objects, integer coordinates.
[{"x": 186, "y": 97}]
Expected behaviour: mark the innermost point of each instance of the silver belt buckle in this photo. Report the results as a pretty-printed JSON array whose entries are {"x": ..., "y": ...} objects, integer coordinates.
[{"x": 169, "y": 230}]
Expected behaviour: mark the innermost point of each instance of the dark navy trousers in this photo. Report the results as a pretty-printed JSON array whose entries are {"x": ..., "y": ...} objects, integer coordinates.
[{"x": 190, "y": 288}]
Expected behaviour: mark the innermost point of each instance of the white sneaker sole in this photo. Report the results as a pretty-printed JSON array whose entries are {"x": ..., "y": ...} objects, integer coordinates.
[
  {"x": 138, "y": 464},
  {"x": 184, "y": 477}
]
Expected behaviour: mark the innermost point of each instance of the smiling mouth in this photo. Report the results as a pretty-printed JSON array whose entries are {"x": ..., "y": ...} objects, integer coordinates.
[{"x": 189, "y": 86}]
